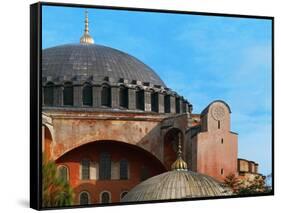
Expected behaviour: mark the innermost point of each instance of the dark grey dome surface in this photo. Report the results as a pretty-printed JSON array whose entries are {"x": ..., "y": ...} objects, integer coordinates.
[{"x": 96, "y": 61}]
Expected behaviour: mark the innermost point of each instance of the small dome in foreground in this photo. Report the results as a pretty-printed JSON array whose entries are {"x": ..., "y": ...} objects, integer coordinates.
[{"x": 176, "y": 185}]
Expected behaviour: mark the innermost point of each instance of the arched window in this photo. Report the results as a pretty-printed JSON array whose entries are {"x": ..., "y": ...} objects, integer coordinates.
[
  {"x": 144, "y": 173},
  {"x": 49, "y": 94},
  {"x": 139, "y": 99},
  {"x": 68, "y": 94},
  {"x": 63, "y": 173},
  {"x": 167, "y": 104},
  {"x": 177, "y": 105},
  {"x": 84, "y": 198},
  {"x": 154, "y": 102},
  {"x": 123, "y": 96},
  {"x": 123, "y": 194},
  {"x": 106, "y": 96},
  {"x": 123, "y": 169},
  {"x": 87, "y": 95},
  {"x": 85, "y": 169},
  {"x": 105, "y": 166},
  {"x": 105, "y": 197}
]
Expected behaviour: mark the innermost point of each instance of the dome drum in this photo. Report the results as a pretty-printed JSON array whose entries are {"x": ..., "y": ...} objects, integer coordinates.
[
  {"x": 81, "y": 79},
  {"x": 151, "y": 100}
]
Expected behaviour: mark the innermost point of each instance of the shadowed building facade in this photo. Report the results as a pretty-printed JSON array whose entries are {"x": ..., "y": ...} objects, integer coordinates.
[{"x": 110, "y": 122}]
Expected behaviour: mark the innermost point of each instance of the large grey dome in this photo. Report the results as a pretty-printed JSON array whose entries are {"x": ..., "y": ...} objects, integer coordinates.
[
  {"x": 97, "y": 62},
  {"x": 176, "y": 184}
]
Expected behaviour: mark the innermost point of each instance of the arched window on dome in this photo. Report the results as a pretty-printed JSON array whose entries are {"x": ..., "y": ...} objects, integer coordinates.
[
  {"x": 68, "y": 94},
  {"x": 167, "y": 104},
  {"x": 123, "y": 96},
  {"x": 139, "y": 99},
  {"x": 106, "y": 95},
  {"x": 105, "y": 197},
  {"x": 84, "y": 198},
  {"x": 177, "y": 105},
  {"x": 48, "y": 94},
  {"x": 85, "y": 169},
  {"x": 105, "y": 166},
  {"x": 87, "y": 95},
  {"x": 124, "y": 174},
  {"x": 154, "y": 102},
  {"x": 63, "y": 173}
]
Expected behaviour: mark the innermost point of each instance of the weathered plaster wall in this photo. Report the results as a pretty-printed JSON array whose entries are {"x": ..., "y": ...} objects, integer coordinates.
[
  {"x": 73, "y": 129},
  {"x": 215, "y": 158},
  {"x": 215, "y": 148}
]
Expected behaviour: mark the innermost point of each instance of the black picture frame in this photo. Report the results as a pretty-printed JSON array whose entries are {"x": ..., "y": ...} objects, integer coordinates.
[{"x": 36, "y": 99}]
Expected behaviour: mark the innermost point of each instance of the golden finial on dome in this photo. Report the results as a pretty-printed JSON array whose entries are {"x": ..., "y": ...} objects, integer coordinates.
[
  {"x": 179, "y": 164},
  {"x": 86, "y": 38}
]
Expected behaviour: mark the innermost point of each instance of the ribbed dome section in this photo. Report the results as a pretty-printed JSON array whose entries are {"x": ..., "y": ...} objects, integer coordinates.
[
  {"x": 176, "y": 185},
  {"x": 97, "y": 62}
]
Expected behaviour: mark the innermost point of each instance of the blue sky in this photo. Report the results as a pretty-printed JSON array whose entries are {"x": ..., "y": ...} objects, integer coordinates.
[{"x": 203, "y": 58}]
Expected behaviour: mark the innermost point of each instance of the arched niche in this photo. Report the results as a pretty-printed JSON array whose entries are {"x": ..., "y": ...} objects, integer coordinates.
[{"x": 171, "y": 139}]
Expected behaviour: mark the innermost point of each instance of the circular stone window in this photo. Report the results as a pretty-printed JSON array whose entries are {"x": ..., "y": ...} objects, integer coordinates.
[{"x": 218, "y": 112}]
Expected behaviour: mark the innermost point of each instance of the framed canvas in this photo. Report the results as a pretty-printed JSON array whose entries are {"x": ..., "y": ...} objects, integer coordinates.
[{"x": 134, "y": 106}]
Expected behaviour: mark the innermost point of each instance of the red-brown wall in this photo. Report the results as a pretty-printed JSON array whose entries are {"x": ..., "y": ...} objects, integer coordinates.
[
  {"x": 215, "y": 158},
  {"x": 214, "y": 148},
  {"x": 136, "y": 157}
]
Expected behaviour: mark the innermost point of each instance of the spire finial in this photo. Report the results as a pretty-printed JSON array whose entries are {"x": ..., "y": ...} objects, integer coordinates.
[
  {"x": 179, "y": 164},
  {"x": 86, "y": 22},
  {"x": 179, "y": 152},
  {"x": 86, "y": 38}
]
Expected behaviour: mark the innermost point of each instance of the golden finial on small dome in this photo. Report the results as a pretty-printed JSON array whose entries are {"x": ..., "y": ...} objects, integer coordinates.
[
  {"x": 179, "y": 164},
  {"x": 86, "y": 38}
]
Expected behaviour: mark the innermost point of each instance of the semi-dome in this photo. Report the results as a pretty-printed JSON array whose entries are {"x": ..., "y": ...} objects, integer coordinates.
[
  {"x": 97, "y": 62},
  {"x": 179, "y": 183}
]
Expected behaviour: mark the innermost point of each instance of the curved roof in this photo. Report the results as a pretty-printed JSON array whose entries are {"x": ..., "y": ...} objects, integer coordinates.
[
  {"x": 97, "y": 62},
  {"x": 204, "y": 111},
  {"x": 176, "y": 184}
]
